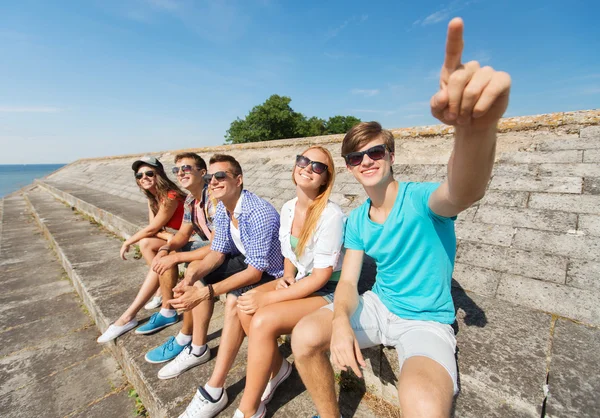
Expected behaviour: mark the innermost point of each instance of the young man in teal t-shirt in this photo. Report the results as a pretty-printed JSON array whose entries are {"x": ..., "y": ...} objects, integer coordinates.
[{"x": 408, "y": 229}]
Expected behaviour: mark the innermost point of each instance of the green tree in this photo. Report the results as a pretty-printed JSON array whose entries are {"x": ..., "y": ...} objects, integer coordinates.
[
  {"x": 313, "y": 127},
  {"x": 340, "y": 124},
  {"x": 274, "y": 119}
]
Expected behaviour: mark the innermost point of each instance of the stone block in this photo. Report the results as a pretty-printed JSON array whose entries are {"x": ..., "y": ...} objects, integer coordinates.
[
  {"x": 476, "y": 279},
  {"x": 515, "y": 170},
  {"x": 581, "y": 305},
  {"x": 592, "y": 155},
  {"x": 527, "y": 218},
  {"x": 591, "y": 185},
  {"x": 570, "y": 170},
  {"x": 568, "y": 156},
  {"x": 589, "y": 224},
  {"x": 574, "y": 371},
  {"x": 468, "y": 214},
  {"x": 537, "y": 184},
  {"x": 592, "y": 132},
  {"x": 568, "y": 245},
  {"x": 569, "y": 144},
  {"x": 566, "y": 203},
  {"x": 484, "y": 232},
  {"x": 505, "y": 198},
  {"x": 526, "y": 263},
  {"x": 584, "y": 274}
]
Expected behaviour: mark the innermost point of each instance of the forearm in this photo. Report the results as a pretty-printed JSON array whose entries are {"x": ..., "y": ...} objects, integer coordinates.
[
  {"x": 164, "y": 235},
  {"x": 243, "y": 278},
  {"x": 209, "y": 264},
  {"x": 177, "y": 242},
  {"x": 141, "y": 234},
  {"x": 189, "y": 256},
  {"x": 301, "y": 289},
  {"x": 470, "y": 165},
  {"x": 345, "y": 301},
  {"x": 289, "y": 270}
]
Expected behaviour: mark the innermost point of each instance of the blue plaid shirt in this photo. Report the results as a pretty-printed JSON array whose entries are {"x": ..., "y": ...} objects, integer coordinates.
[{"x": 259, "y": 231}]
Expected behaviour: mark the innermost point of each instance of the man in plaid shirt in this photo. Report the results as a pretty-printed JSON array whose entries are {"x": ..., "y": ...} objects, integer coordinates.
[{"x": 245, "y": 252}]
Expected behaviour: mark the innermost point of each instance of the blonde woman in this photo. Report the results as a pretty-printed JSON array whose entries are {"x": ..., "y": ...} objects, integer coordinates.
[{"x": 311, "y": 235}]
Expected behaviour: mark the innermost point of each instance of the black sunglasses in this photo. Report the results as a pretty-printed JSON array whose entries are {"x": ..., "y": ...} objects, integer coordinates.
[
  {"x": 317, "y": 167},
  {"x": 140, "y": 175},
  {"x": 219, "y": 175},
  {"x": 184, "y": 169},
  {"x": 375, "y": 153}
]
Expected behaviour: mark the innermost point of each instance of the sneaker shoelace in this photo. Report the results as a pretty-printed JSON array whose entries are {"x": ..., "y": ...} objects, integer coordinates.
[
  {"x": 197, "y": 404},
  {"x": 169, "y": 344},
  {"x": 153, "y": 318},
  {"x": 186, "y": 352}
]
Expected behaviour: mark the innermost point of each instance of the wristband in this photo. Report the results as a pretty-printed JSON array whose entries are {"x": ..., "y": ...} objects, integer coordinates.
[
  {"x": 163, "y": 248},
  {"x": 211, "y": 292}
]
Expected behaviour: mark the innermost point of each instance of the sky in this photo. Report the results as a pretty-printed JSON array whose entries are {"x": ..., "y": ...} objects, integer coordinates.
[{"x": 91, "y": 78}]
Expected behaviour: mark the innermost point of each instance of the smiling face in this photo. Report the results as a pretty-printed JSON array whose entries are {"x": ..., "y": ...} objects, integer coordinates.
[
  {"x": 227, "y": 187},
  {"x": 306, "y": 177},
  {"x": 146, "y": 182},
  {"x": 192, "y": 179},
  {"x": 370, "y": 172}
]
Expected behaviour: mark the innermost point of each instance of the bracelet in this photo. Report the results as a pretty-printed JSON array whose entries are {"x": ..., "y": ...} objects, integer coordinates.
[
  {"x": 211, "y": 292},
  {"x": 163, "y": 248}
]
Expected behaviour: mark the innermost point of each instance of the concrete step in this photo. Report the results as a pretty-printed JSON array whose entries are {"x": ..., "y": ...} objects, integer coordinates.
[
  {"x": 107, "y": 285},
  {"x": 50, "y": 365}
]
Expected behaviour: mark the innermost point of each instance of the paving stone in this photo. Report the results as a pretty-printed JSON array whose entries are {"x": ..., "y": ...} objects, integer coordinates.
[
  {"x": 476, "y": 279},
  {"x": 592, "y": 155},
  {"x": 518, "y": 169},
  {"x": 578, "y": 304},
  {"x": 584, "y": 274},
  {"x": 574, "y": 371},
  {"x": 569, "y": 144},
  {"x": 501, "y": 359},
  {"x": 505, "y": 198},
  {"x": 527, "y": 218},
  {"x": 570, "y": 170},
  {"x": 589, "y": 224},
  {"x": 115, "y": 405},
  {"x": 525, "y": 263},
  {"x": 591, "y": 185},
  {"x": 569, "y": 156},
  {"x": 484, "y": 233},
  {"x": 566, "y": 203},
  {"x": 537, "y": 184},
  {"x": 569, "y": 245}
]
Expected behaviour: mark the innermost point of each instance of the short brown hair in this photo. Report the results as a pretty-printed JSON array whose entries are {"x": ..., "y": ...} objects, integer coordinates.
[
  {"x": 200, "y": 163},
  {"x": 224, "y": 158},
  {"x": 363, "y": 133}
]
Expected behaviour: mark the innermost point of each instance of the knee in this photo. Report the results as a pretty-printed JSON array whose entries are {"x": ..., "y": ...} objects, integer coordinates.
[
  {"x": 421, "y": 399},
  {"x": 231, "y": 310},
  {"x": 145, "y": 245},
  {"x": 262, "y": 324},
  {"x": 308, "y": 338}
]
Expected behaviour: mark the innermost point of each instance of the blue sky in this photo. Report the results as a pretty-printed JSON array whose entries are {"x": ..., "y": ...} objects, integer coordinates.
[{"x": 87, "y": 78}]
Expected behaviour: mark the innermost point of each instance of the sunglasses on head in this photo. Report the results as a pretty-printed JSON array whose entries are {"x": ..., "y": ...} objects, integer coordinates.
[
  {"x": 375, "y": 153},
  {"x": 219, "y": 176},
  {"x": 317, "y": 167},
  {"x": 140, "y": 175},
  {"x": 186, "y": 169}
]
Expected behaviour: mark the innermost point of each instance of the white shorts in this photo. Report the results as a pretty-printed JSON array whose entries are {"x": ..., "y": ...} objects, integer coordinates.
[{"x": 374, "y": 324}]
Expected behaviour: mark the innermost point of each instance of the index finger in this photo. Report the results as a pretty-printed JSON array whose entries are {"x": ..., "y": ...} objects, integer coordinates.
[{"x": 454, "y": 44}]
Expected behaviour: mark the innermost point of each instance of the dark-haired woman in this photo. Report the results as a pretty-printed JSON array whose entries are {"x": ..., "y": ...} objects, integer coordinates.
[{"x": 165, "y": 212}]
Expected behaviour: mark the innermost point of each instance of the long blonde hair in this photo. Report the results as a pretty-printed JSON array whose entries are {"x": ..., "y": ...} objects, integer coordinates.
[{"x": 316, "y": 208}]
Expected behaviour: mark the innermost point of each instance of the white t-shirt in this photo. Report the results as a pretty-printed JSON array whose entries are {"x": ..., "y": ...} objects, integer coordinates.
[
  {"x": 325, "y": 247},
  {"x": 235, "y": 233}
]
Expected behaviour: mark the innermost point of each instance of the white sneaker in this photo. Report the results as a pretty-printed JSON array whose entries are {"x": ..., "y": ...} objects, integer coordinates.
[
  {"x": 184, "y": 361},
  {"x": 285, "y": 371},
  {"x": 154, "y": 303},
  {"x": 204, "y": 406},
  {"x": 262, "y": 411},
  {"x": 113, "y": 331}
]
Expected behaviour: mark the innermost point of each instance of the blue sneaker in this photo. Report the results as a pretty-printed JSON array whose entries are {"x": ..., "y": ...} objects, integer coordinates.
[
  {"x": 156, "y": 323},
  {"x": 167, "y": 351}
]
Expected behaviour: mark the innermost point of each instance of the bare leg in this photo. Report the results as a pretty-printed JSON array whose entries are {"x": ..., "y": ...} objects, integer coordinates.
[
  {"x": 425, "y": 389},
  {"x": 264, "y": 358},
  {"x": 231, "y": 340},
  {"x": 148, "y": 246},
  {"x": 167, "y": 282},
  {"x": 201, "y": 316},
  {"x": 310, "y": 343}
]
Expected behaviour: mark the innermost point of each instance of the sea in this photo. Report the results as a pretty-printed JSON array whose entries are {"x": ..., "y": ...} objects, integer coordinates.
[{"x": 15, "y": 176}]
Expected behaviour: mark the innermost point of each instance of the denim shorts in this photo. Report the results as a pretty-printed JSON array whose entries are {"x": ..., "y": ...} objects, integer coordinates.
[
  {"x": 327, "y": 291},
  {"x": 231, "y": 266},
  {"x": 374, "y": 324}
]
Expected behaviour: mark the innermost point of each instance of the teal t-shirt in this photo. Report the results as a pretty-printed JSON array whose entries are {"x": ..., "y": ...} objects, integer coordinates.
[{"x": 414, "y": 250}]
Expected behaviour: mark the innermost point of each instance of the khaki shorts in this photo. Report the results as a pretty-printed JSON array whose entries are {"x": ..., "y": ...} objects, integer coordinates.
[{"x": 374, "y": 324}]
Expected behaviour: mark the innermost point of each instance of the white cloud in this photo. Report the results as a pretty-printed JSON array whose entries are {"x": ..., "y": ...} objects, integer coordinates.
[
  {"x": 482, "y": 56},
  {"x": 332, "y": 33},
  {"x": 29, "y": 109},
  {"x": 443, "y": 14},
  {"x": 366, "y": 92}
]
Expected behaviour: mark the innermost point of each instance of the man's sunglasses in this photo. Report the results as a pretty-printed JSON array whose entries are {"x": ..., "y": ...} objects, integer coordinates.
[
  {"x": 375, "y": 153},
  {"x": 317, "y": 167},
  {"x": 186, "y": 169},
  {"x": 219, "y": 176},
  {"x": 140, "y": 175}
]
